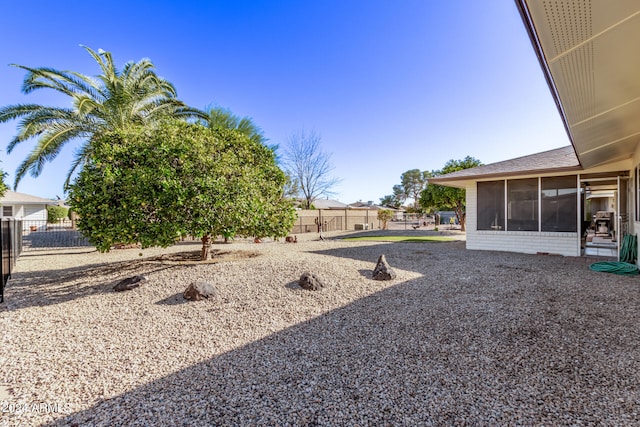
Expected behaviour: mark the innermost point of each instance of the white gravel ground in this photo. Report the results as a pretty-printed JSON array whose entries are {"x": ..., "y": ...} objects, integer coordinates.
[{"x": 459, "y": 338}]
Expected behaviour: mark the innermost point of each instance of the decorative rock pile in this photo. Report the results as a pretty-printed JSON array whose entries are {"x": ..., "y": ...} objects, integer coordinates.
[
  {"x": 199, "y": 290},
  {"x": 129, "y": 283},
  {"x": 383, "y": 270},
  {"x": 310, "y": 281}
]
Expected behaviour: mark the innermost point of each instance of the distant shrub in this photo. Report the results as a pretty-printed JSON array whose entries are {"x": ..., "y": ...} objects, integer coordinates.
[
  {"x": 385, "y": 215},
  {"x": 56, "y": 213}
]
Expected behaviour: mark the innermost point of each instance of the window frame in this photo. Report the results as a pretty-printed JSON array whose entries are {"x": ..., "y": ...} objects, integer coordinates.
[
  {"x": 523, "y": 213},
  {"x": 535, "y": 222},
  {"x": 498, "y": 199},
  {"x": 566, "y": 194}
]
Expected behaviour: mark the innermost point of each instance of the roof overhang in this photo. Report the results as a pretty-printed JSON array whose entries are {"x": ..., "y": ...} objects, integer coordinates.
[
  {"x": 14, "y": 198},
  {"x": 588, "y": 50},
  {"x": 557, "y": 161}
]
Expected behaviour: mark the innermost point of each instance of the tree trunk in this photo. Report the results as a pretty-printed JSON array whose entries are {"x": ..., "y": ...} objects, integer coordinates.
[
  {"x": 462, "y": 217},
  {"x": 206, "y": 248}
]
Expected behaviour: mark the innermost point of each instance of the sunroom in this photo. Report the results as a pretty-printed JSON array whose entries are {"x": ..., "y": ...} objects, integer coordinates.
[
  {"x": 546, "y": 203},
  {"x": 587, "y": 50}
]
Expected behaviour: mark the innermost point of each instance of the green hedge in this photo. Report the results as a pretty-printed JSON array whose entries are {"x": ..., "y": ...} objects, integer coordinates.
[{"x": 56, "y": 213}]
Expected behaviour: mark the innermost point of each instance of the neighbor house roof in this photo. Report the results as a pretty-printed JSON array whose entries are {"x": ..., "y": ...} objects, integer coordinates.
[
  {"x": 364, "y": 205},
  {"x": 328, "y": 204},
  {"x": 14, "y": 198},
  {"x": 558, "y": 160}
]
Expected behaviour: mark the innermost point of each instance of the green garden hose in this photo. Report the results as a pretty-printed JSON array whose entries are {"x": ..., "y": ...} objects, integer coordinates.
[
  {"x": 629, "y": 249},
  {"x": 623, "y": 268},
  {"x": 628, "y": 256}
]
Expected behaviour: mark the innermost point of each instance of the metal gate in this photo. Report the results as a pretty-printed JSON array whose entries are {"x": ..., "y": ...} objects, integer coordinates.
[{"x": 10, "y": 249}]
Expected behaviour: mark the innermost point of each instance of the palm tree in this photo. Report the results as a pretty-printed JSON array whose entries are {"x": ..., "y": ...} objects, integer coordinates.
[
  {"x": 111, "y": 101},
  {"x": 217, "y": 117}
]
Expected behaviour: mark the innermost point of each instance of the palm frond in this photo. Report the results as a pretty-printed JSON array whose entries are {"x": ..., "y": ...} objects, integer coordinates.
[
  {"x": 105, "y": 60},
  {"x": 11, "y": 112},
  {"x": 85, "y": 105},
  {"x": 170, "y": 108},
  {"x": 43, "y": 78},
  {"x": 89, "y": 85},
  {"x": 66, "y": 82},
  {"x": 81, "y": 156},
  {"x": 223, "y": 118},
  {"x": 42, "y": 119},
  {"x": 111, "y": 100},
  {"x": 47, "y": 148}
]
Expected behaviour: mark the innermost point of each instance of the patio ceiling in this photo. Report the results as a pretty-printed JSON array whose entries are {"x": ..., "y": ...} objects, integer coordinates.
[{"x": 589, "y": 51}]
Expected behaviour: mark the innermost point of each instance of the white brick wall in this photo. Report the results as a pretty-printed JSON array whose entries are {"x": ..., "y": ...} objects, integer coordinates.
[{"x": 524, "y": 242}]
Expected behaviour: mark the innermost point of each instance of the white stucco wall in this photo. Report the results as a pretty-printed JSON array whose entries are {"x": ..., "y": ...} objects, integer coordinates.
[
  {"x": 34, "y": 212},
  {"x": 32, "y": 215},
  {"x": 28, "y": 212}
]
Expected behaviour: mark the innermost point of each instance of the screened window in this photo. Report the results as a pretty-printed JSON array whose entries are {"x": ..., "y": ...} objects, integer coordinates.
[
  {"x": 522, "y": 199},
  {"x": 559, "y": 204},
  {"x": 491, "y": 205},
  {"x": 7, "y": 211}
]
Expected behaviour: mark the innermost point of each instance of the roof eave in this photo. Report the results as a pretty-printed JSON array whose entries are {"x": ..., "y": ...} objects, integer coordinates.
[
  {"x": 537, "y": 48},
  {"x": 462, "y": 179}
]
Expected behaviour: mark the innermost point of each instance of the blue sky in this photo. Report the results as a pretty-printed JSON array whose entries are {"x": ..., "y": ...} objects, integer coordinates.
[{"x": 388, "y": 85}]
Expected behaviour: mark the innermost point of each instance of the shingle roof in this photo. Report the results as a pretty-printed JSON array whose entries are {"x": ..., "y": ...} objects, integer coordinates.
[
  {"x": 363, "y": 205},
  {"x": 328, "y": 204},
  {"x": 12, "y": 197},
  {"x": 558, "y": 160}
]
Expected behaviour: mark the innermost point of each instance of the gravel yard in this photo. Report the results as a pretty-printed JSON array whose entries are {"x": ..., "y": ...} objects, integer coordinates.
[{"x": 458, "y": 338}]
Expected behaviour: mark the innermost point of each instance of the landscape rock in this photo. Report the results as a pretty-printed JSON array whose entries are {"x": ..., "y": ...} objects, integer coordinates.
[
  {"x": 383, "y": 270},
  {"x": 129, "y": 283},
  {"x": 199, "y": 290},
  {"x": 310, "y": 282}
]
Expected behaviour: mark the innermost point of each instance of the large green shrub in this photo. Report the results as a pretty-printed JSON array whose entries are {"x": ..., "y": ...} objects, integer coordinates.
[
  {"x": 150, "y": 186},
  {"x": 56, "y": 213}
]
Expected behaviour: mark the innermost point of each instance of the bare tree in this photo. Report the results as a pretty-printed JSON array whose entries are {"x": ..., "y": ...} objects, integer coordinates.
[{"x": 308, "y": 166}]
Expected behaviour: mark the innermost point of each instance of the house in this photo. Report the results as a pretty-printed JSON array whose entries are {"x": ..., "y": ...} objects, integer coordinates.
[
  {"x": 581, "y": 198},
  {"x": 364, "y": 205},
  {"x": 31, "y": 209},
  {"x": 328, "y": 204}
]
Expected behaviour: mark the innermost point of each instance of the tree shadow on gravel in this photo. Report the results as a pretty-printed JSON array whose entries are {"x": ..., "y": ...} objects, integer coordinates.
[
  {"x": 48, "y": 252},
  {"x": 27, "y": 289},
  {"x": 536, "y": 343},
  {"x": 30, "y": 289},
  {"x": 36, "y": 288}
]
